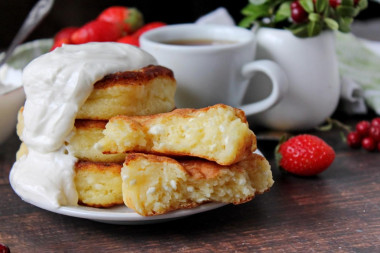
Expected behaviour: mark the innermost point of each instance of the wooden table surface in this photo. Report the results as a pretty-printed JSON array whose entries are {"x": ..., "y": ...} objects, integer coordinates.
[{"x": 338, "y": 211}]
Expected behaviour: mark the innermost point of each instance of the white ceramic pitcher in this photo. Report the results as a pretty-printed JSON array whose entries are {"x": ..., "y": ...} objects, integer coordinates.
[{"x": 312, "y": 69}]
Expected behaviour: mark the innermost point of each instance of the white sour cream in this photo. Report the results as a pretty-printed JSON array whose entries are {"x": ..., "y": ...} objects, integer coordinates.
[{"x": 56, "y": 85}]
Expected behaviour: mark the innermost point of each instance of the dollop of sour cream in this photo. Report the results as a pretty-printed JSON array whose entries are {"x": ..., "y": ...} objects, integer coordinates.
[{"x": 56, "y": 85}]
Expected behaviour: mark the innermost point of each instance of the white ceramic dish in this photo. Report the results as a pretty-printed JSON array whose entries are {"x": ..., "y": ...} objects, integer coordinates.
[
  {"x": 10, "y": 103},
  {"x": 13, "y": 97},
  {"x": 117, "y": 215},
  {"x": 123, "y": 215}
]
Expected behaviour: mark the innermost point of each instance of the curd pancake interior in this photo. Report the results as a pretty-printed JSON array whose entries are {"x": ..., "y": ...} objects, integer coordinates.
[
  {"x": 98, "y": 184},
  {"x": 83, "y": 142},
  {"x": 155, "y": 185},
  {"x": 217, "y": 133}
]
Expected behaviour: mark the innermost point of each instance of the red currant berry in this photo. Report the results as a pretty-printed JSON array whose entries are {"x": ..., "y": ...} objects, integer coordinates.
[
  {"x": 335, "y": 3},
  {"x": 368, "y": 143},
  {"x": 375, "y": 122},
  {"x": 299, "y": 15},
  {"x": 363, "y": 127},
  {"x": 4, "y": 248},
  {"x": 354, "y": 140},
  {"x": 378, "y": 146},
  {"x": 374, "y": 133}
]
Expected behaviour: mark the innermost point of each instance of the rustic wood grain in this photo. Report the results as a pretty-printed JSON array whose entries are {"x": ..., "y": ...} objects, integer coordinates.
[{"x": 337, "y": 211}]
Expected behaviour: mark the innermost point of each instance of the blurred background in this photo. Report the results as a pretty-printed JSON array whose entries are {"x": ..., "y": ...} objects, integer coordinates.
[{"x": 78, "y": 12}]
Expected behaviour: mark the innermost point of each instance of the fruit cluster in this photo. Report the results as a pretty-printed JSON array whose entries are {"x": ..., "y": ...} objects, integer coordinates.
[
  {"x": 116, "y": 23},
  {"x": 300, "y": 15},
  {"x": 304, "y": 18},
  {"x": 4, "y": 248},
  {"x": 365, "y": 135}
]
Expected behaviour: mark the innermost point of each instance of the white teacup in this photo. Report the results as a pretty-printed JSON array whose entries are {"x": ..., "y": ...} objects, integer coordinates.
[{"x": 219, "y": 70}]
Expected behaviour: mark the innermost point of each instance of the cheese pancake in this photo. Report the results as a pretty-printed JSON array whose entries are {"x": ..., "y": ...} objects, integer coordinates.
[
  {"x": 217, "y": 133},
  {"x": 146, "y": 91},
  {"x": 155, "y": 185},
  {"x": 98, "y": 184}
]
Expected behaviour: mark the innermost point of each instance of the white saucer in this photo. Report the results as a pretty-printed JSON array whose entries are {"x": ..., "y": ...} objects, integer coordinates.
[{"x": 123, "y": 215}]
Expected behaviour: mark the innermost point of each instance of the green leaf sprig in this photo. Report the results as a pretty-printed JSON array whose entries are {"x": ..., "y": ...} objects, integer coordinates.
[{"x": 321, "y": 15}]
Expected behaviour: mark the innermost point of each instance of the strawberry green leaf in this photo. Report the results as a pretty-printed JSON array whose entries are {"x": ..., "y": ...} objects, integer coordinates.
[{"x": 277, "y": 154}]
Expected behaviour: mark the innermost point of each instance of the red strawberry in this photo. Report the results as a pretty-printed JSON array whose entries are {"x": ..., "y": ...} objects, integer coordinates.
[
  {"x": 97, "y": 30},
  {"x": 130, "y": 39},
  {"x": 65, "y": 33},
  {"x": 134, "y": 38},
  {"x": 130, "y": 19},
  {"x": 304, "y": 155},
  {"x": 63, "y": 37},
  {"x": 147, "y": 27},
  {"x": 59, "y": 43}
]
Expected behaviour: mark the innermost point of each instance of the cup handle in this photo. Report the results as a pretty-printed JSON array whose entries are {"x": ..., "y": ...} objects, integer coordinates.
[{"x": 279, "y": 84}]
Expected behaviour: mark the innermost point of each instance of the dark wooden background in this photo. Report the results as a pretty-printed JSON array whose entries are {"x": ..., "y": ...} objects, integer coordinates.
[
  {"x": 337, "y": 211},
  {"x": 77, "y": 12}
]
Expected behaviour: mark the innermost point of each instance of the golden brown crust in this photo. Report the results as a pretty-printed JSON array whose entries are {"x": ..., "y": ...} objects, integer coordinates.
[
  {"x": 98, "y": 166},
  {"x": 185, "y": 205},
  {"x": 152, "y": 158},
  {"x": 137, "y": 77},
  {"x": 182, "y": 112},
  {"x": 201, "y": 169},
  {"x": 90, "y": 124}
]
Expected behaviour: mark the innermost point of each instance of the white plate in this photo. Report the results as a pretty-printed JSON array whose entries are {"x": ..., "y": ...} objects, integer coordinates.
[{"x": 123, "y": 215}]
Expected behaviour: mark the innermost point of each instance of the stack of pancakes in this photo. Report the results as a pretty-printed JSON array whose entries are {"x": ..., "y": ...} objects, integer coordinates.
[
  {"x": 134, "y": 148},
  {"x": 186, "y": 157},
  {"x": 146, "y": 91}
]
